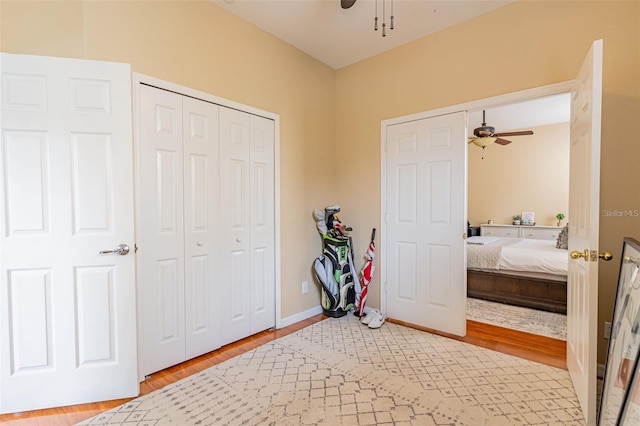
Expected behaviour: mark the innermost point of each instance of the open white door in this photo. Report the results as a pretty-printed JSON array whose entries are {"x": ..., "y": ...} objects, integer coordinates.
[
  {"x": 584, "y": 203},
  {"x": 67, "y": 312},
  {"x": 426, "y": 208}
]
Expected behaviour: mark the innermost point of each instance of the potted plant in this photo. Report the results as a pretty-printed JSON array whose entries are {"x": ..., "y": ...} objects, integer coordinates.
[
  {"x": 560, "y": 216},
  {"x": 516, "y": 219}
]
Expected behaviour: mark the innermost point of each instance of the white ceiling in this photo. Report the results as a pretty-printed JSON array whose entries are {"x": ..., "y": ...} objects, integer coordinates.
[
  {"x": 538, "y": 112},
  {"x": 341, "y": 37}
]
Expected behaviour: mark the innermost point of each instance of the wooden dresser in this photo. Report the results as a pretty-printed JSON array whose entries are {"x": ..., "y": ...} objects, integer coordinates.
[{"x": 521, "y": 231}]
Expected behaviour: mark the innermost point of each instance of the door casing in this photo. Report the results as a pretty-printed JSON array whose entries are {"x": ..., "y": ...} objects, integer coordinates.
[{"x": 521, "y": 96}]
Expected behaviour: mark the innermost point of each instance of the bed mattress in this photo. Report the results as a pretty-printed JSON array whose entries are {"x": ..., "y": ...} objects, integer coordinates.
[{"x": 516, "y": 254}]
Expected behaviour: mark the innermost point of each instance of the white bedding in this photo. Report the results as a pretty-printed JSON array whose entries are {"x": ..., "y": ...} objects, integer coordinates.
[
  {"x": 518, "y": 254},
  {"x": 482, "y": 239}
]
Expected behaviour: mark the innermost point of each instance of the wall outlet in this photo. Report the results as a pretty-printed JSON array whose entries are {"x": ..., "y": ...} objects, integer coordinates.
[
  {"x": 305, "y": 287},
  {"x": 607, "y": 330}
]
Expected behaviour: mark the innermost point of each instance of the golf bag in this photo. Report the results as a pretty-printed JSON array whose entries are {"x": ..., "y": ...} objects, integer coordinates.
[{"x": 334, "y": 270}]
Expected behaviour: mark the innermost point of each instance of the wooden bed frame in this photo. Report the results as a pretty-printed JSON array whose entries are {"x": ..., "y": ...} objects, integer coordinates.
[{"x": 531, "y": 292}]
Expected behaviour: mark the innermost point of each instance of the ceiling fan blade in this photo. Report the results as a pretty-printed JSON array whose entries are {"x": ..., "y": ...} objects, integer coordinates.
[
  {"x": 522, "y": 133},
  {"x": 346, "y": 4},
  {"x": 500, "y": 141}
]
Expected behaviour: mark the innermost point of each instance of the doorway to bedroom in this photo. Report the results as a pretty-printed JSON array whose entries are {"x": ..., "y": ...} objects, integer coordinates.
[{"x": 516, "y": 275}]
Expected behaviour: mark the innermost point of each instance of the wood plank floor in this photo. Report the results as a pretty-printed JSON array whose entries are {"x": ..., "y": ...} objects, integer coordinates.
[{"x": 529, "y": 346}]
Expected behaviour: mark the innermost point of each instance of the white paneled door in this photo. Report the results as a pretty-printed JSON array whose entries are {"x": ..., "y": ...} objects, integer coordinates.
[
  {"x": 160, "y": 229},
  {"x": 425, "y": 222},
  {"x": 201, "y": 226},
  {"x": 179, "y": 208},
  {"x": 207, "y": 226},
  {"x": 262, "y": 223},
  {"x": 67, "y": 312},
  {"x": 584, "y": 230},
  {"x": 247, "y": 220},
  {"x": 235, "y": 154}
]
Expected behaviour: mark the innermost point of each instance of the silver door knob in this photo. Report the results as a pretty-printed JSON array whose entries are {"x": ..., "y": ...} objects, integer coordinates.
[{"x": 122, "y": 250}]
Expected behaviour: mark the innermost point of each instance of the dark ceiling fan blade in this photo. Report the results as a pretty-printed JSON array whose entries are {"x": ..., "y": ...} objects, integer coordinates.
[
  {"x": 346, "y": 4},
  {"x": 522, "y": 133},
  {"x": 500, "y": 141}
]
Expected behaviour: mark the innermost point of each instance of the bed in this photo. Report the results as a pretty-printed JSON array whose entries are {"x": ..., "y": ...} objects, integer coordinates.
[{"x": 518, "y": 271}]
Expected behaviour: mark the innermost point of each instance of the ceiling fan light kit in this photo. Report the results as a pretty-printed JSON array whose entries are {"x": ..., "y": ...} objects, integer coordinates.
[
  {"x": 483, "y": 141},
  {"x": 486, "y": 135}
]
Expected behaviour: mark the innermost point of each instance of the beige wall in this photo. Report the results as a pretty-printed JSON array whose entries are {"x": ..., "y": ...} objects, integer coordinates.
[
  {"x": 524, "y": 45},
  {"x": 530, "y": 174},
  {"x": 199, "y": 45},
  {"x": 521, "y": 46}
]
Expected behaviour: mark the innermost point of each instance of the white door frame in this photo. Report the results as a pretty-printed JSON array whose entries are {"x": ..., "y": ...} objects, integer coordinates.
[
  {"x": 162, "y": 84},
  {"x": 515, "y": 97}
]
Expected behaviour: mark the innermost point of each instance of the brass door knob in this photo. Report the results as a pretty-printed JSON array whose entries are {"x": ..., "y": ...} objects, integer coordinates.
[
  {"x": 575, "y": 254},
  {"x": 605, "y": 255}
]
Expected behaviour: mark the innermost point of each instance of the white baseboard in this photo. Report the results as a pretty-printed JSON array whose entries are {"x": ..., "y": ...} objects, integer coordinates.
[{"x": 300, "y": 316}]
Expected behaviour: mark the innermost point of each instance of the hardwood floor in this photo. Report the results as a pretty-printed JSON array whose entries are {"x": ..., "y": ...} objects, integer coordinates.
[{"x": 529, "y": 346}]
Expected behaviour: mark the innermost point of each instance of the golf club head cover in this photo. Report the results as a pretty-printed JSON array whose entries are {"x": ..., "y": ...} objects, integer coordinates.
[{"x": 320, "y": 217}]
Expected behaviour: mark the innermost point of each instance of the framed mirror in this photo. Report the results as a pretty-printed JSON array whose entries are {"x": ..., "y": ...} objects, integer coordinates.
[{"x": 624, "y": 343}]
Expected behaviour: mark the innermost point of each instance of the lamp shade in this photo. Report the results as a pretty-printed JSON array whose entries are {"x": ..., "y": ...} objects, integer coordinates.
[{"x": 484, "y": 141}]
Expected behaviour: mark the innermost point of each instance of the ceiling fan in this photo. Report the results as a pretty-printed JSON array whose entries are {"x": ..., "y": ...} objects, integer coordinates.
[
  {"x": 484, "y": 135},
  {"x": 346, "y": 4}
]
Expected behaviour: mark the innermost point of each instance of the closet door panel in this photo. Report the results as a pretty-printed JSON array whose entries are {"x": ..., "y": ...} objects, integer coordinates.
[
  {"x": 235, "y": 224},
  {"x": 237, "y": 295},
  {"x": 262, "y": 227},
  {"x": 201, "y": 206},
  {"x": 161, "y": 231}
]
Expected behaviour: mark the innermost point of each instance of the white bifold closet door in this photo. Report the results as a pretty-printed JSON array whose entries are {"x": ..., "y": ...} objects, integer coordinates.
[
  {"x": 178, "y": 204},
  {"x": 247, "y": 217}
]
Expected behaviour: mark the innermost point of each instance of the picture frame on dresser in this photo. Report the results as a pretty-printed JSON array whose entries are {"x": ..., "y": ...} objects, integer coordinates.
[
  {"x": 528, "y": 218},
  {"x": 624, "y": 343}
]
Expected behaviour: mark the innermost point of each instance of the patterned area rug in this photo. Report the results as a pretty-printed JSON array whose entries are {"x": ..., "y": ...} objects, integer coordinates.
[
  {"x": 517, "y": 318},
  {"x": 340, "y": 372}
]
